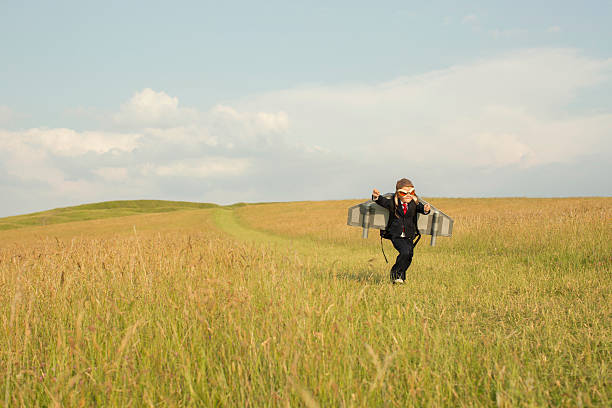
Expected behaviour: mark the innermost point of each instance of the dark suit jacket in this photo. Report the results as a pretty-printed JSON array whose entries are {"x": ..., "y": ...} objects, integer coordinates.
[{"x": 398, "y": 221}]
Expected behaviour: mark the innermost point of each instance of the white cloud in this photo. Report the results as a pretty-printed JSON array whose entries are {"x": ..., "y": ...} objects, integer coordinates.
[
  {"x": 29, "y": 163},
  {"x": 211, "y": 145},
  {"x": 200, "y": 168},
  {"x": 184, "y": 135},
  {"x": 67, "y": 142},
  {"x": 519, "y": 99},
  {"x": 259, "y": 121},
  {"x": 496, "y": 150},
  {"x": 153, "y": 109},
  {"x": 32, "y": 156},
  {"x": 158, "y": 114},
  {"x": 24, "y": 162},
  {"x": 244, "y": 128}
]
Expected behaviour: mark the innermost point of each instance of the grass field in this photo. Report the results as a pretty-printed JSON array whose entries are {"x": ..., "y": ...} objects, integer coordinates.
[{"x": 284, "y": 305}]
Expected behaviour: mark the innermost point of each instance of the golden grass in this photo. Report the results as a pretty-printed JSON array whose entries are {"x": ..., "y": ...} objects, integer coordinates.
[
  {"x": 265, "y": 306},
  {"x": 579, "y": 227}
]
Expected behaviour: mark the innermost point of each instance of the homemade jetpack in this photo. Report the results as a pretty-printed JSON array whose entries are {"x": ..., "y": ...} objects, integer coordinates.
[{"x": 371, "y": 215}]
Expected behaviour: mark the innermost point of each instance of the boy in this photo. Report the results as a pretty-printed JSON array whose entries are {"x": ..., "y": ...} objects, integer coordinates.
[{"x": 402, "y": 226}]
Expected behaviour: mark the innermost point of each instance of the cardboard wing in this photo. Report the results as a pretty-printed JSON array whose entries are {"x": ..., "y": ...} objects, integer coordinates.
[{"x": 371, "y": 215}]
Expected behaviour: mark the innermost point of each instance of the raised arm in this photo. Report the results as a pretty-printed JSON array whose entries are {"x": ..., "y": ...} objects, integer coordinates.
[{"x": 380, "y": 200}]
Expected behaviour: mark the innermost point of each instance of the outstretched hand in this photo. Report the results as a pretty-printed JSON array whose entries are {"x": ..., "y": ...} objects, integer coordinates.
[
  {"x": 427, "y": 208},
  {"x": 375, "y": 194}
]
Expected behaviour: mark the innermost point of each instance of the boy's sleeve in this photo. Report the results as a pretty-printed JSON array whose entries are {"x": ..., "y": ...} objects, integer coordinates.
[
  {"x": 421, "y": 208},
  {"x": 383, "y": 202}
]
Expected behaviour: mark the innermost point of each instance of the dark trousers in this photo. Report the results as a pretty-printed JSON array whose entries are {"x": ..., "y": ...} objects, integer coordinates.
[{"x": 405, "y": 248}]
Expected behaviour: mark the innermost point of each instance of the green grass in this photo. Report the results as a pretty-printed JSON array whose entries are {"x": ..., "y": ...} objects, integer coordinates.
[{"x": 107, "y": 209}]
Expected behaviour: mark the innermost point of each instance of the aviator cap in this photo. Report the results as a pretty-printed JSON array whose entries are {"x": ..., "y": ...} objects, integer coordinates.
[{"x": 403, "y": 183}]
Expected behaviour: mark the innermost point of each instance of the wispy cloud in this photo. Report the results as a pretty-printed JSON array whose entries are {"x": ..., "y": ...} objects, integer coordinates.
[
  {"x": 518, "y": 99},
  {"x": 203, "y": 167}
]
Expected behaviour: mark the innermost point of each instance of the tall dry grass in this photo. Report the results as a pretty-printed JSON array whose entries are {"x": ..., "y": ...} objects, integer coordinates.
[
  {"x": 198, "y": 308},
  {"x": 576, "y": 228}
]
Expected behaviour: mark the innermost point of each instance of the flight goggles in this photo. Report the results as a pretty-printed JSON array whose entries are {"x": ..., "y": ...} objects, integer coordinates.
[{"x": 404, "y": 192}]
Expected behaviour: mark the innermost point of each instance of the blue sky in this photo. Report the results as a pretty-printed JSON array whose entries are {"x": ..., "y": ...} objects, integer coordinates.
[{"x": 254, "y": 102}]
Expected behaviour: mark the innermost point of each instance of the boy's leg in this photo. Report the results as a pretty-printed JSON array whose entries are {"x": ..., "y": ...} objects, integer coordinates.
[
  {"x": 408, "y": 261},
  {"x": 396, "y": 267},
  {"x": 404, "y": 258},
  {"x": 393, "y": 274}
]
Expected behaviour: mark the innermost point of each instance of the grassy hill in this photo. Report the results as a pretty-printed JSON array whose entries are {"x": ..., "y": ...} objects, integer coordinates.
[{"x": 107, "y": 209}]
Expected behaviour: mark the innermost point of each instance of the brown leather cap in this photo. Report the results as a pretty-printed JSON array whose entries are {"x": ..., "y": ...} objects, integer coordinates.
[{"x": 403, "y": 183}]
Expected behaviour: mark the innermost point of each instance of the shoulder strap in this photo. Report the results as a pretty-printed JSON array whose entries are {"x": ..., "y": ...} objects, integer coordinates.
[
  {"x": 416, "y": 227},
  {"x": 383, "y": 249}
]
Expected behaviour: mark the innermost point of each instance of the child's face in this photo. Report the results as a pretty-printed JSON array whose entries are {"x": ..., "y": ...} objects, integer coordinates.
[{"x": 406, "y": 194}]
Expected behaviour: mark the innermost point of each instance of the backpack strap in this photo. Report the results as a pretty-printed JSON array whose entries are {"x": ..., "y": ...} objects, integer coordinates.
[
  {"x": 383, "y": 249},
  {"x": 416, "y": 227}
]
